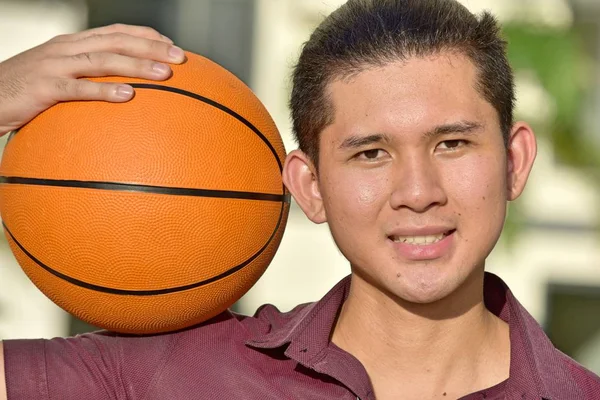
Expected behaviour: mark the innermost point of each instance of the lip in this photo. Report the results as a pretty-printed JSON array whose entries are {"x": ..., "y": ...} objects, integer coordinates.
[{"x": 423, "y": 252}]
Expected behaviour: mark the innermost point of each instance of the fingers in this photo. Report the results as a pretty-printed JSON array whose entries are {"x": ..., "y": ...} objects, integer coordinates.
[
  {"x": 124, "y": 44},
  {"x": 83, "y": 89},
  {"x": 40, "y": 77},
  {"x": 133, "y": 30},
  {"x": 112, "y": 51},
  {"x": 108, "y": 51},
  {"x": 110, "y": 64}
]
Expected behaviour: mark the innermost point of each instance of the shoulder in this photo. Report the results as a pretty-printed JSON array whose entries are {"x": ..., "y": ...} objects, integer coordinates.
[
  {"x": 231, "y": 326},
  {"x": 227, "y": 330},
  {"x": 587, "y": 381}
]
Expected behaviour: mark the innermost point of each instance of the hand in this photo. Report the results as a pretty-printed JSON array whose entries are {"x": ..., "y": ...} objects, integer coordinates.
[{"x": 38, "y": 78}]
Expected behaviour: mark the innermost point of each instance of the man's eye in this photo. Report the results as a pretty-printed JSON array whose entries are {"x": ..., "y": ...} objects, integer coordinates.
[
  {"x": 372, "y": 154},
  {"x": 452, "y": 144}
]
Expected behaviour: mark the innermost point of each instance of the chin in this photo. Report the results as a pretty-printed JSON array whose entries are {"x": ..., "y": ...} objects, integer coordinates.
[
  {"x": 420, "y": 294},
  {"x": 426, "y": 286}
]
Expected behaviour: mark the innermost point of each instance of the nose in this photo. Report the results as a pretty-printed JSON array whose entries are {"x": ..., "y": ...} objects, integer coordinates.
[{"x": 417, "y": 185}]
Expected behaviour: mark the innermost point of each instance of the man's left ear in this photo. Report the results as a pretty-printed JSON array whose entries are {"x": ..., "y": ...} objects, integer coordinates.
[{"x": 522, "y": 150}]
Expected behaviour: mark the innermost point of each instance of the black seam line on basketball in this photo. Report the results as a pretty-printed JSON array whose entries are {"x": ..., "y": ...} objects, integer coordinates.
[
  {"x": 126, "y": 187},
  {"x": 216, "y": 105},
  {"x": 155, "y": 292}
]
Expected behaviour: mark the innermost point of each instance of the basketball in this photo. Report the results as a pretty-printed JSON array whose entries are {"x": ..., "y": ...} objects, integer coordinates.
[{"x": 151, "y": 215}]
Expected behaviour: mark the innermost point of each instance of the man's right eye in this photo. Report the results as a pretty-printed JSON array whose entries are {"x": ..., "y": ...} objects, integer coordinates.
[{"x": 372, "y": 154}]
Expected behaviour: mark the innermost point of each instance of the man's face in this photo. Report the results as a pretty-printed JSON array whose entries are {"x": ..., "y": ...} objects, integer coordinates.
[{"x": 413, "y": 175}]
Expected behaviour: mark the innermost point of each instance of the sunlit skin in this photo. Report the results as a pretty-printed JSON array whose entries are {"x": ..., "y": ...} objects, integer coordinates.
[{"x": 415, "y": 150}]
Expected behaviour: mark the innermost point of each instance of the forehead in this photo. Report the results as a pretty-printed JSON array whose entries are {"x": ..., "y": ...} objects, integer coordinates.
[{"x": 409, "y": 96}]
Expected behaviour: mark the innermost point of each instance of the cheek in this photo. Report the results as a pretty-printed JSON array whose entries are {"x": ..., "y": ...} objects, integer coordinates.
[
  {"x": 355, "y": 192},
  {"x": 478, "y": 192},
  {"x": 479, "y": 178},
  {"x": 367, "y": 192}
]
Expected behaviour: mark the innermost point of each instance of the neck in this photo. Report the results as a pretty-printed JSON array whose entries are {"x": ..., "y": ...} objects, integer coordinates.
[{"x": 437, "y": 346}]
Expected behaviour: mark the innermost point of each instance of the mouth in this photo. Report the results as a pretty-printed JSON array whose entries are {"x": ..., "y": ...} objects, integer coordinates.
[
  {"x": 422, "y": 240},
  {"x": 429, "y": 245}
]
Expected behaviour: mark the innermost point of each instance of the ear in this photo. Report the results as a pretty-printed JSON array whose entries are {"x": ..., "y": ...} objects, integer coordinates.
[
  {"x": 300, "y": 177},
  {"x": 522, "y": 150}
]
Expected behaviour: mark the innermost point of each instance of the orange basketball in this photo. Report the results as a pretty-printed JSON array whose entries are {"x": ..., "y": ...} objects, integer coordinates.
[{"x": 151, "y": 215}]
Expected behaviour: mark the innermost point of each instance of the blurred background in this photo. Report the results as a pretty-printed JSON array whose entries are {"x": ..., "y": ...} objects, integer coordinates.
[{"x": 550, "y": 251}]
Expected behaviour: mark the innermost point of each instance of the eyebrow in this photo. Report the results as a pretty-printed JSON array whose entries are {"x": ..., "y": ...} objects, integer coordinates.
[
  {"x": 356, "y": 141},
  {"x": 465, "y": 127}
]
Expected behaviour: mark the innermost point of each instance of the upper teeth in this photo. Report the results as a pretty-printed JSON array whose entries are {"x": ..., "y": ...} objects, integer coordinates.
[{"x": 419, "y": 239}]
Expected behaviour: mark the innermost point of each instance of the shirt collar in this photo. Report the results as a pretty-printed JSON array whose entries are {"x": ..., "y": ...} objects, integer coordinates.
[
  {"x": 536, "y": 368},
  {"x": 307, "y": 332}
]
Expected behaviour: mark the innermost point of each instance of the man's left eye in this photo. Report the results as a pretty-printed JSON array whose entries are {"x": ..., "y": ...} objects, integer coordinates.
[{"x": 371, "y": 154}]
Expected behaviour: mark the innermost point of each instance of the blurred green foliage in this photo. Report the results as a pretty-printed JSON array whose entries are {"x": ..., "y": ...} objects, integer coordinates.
[{"x": 565, "y": 70}]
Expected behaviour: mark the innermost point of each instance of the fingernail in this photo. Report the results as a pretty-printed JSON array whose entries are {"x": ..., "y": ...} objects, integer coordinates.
[
  {"x": 160, "y": 69},
  {"x": 124, "y": 91},
  {"x": 176, "y": 53}
]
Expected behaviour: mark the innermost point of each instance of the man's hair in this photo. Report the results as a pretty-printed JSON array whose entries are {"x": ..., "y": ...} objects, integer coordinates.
[{"x": 367, "y": 33}]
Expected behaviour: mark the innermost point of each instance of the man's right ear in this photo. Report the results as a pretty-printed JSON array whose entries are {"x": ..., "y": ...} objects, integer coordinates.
[{"x": 300, "y": 177}]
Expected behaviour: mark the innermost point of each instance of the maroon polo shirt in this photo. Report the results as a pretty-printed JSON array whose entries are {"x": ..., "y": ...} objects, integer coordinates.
[{"x": 272, "y": 355}]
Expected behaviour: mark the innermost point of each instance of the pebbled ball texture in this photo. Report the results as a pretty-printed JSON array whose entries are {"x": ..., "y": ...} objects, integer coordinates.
[{"x": 152, "y": 215}]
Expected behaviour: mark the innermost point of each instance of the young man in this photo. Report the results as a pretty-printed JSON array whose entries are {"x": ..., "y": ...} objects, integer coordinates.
[{"x": 408, "y": 150}]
